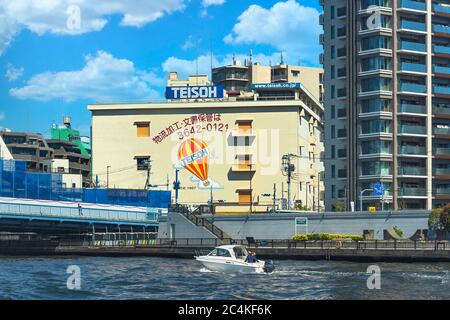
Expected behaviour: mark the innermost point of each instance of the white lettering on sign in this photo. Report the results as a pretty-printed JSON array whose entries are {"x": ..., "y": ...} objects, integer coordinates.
[{"x": 206, "y": 92}]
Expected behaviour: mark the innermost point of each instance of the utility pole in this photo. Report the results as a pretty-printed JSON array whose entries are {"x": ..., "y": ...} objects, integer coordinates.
[
  {"x": 107, "y": 177},
  {"x": 148, "y": 164},
  {"x": 274, "y": 197},
  {"x": 288, "y": 169},
  {"x": 251, "y": 186},
  {"x": 176, "y": 187}
]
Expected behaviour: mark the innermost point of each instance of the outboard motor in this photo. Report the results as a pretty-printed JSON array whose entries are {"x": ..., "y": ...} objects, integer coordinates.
[{"x": 269, "y": 266}]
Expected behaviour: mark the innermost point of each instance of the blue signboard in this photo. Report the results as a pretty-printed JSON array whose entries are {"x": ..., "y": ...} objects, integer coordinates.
[
  {"x": 378, "y": 189},
  {"x": 194, "y": 92},
  {"x": 287, "y": 85}
]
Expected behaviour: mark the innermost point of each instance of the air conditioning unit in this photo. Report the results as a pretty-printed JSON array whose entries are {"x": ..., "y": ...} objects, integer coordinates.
[
  {"x": 322, "y": 58},
  {"x": 322, "y": 38},
  {"x": 321, "y": 19}
]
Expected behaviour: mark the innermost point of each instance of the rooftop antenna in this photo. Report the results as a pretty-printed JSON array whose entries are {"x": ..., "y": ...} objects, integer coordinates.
[
  {"x": 281, "y": 58},
  {"x": 196, "y": 62},
  {"x": 234, "y": 59},
  {"x": 251, "y": 56},
  {"x": 211, "y": 54}
]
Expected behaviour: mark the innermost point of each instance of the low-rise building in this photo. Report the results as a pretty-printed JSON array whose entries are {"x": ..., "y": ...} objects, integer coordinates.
[{"x": 242, "y": 153}]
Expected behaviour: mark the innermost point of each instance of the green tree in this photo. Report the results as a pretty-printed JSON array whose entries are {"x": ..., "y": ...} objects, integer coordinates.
[
  {"x": 339, "y": 206},
  {"x": 439, "y": 220}
]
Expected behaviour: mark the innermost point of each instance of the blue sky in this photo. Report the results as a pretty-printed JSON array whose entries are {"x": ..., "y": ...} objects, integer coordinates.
[{"x": 52, "y": 63}]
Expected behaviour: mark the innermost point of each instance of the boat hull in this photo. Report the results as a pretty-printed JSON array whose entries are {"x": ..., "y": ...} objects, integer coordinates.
[{"x": 231, "y": 266}]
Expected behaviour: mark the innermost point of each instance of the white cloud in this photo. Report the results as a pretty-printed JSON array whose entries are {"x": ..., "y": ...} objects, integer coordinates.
[
  {"x": 104, "y": 77},
  {"x": 189, "y": 43},
  {"x": 12, "y": 73},
  {"x": 61, "y": 16},
  {"x": 287, "y": 26},
  {"x": 2, "y": 116},
  {"x": 208, "y": 3}
]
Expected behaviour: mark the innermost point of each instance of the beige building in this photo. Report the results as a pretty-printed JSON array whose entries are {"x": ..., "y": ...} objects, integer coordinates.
[
  {"x": 236, "y": 154},
  {"x": 193, "y": 80},
  {"x": 238, "y": 77}
]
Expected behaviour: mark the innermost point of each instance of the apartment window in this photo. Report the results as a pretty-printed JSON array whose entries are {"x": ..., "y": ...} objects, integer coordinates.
[
  {"x": 333, "y": 152},
  {"x": 333, "y": 191},
  {"x": 142, "y": 129},
  {"x": 333, "y": 32},
  {"x": 333, "y": 52},
  {"x": 342, "y": 153},
  {"x": 332, "y": 12},
  {"x": 332, "y": 72},
  {"x": 342, "y": 133},
  {"x": 244, "y": 196},
  {"x": 333, "y": 92},
  {"x": 342, "y": 113},
  {"x": 333, "y": 171},
  {"x": 342, "y": 173},
  {"x": 333, "y": 111},
  {"x": 333, "y": 132},
  {"x": 244, "y": 126},
  {"x": 142, "y": 162},
  {"x": 295, "y": 73}
]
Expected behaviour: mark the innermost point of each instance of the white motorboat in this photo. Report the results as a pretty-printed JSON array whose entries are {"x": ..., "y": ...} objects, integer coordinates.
[{"x": 234, "y": 259}]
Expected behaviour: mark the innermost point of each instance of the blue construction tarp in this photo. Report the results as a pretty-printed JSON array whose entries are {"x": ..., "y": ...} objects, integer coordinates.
[{"x": 16, "y": 182}]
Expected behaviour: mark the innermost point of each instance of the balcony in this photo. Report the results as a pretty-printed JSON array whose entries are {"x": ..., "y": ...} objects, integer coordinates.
[
  {"x": 412, "y": 171},
  {"x": 413, "y": 46},
  {"x": 441, "y": 171},
  {"x": 442, "y": 191},
  {"x": 413, "y": 5},
  {"x": 441, "y": 49},
  {"x": 413, "y": 87},
  {"x": 413, "y": 150},
  {"x": 441, "y": 90},
  {"x": 243, "y": 167},
  {"x": 445, "y": 131},
  {"x": 441, "y": 69},
  {"x": 441, "y": 9},
  {"x": 412, "y": 192},
  {"x": 413, "y": 67},
  {"x": 412, "y": 25},
  {"x": 441, "y": 151},
  {"x": 413, "y": 108},
  {"x": 441, "y": 110},
  {"x": 441, "y": 28},
  {"x": 412, "y": 129}
]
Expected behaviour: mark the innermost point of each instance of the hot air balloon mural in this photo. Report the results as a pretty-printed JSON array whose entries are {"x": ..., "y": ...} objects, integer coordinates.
[{"x": 193, "y": 156}]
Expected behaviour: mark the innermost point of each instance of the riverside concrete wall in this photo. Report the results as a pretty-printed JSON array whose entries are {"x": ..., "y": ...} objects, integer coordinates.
[
  {"x": 283, "y": 226},
  {"x": 175, "y": 225}
]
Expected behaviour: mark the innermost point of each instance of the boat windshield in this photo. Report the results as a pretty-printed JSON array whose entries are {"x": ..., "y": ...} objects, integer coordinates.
[
  {"x": 240, "y": 252},
  {"x": 220, "y": 253}
]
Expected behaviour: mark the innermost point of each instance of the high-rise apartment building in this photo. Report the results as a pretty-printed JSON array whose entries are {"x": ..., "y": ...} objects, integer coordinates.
[{"x": 387, "y": 102}]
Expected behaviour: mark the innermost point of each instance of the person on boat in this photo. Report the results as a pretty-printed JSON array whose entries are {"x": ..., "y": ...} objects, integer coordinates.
[{"x": 251, "y": 258}]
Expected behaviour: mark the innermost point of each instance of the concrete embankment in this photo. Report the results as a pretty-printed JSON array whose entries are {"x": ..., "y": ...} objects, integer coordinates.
[{"x": 275, "y": 253}]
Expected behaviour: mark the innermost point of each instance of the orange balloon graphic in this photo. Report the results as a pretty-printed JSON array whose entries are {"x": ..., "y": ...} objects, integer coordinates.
[{"x": 193, "y": 155}]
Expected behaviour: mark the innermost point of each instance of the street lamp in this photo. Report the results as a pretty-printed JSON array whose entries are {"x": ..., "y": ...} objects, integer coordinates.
[{"x": 360, "y": 198}]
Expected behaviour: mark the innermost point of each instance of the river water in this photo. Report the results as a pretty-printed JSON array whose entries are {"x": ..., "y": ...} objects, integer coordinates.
[{"x": 160, "y": 278}]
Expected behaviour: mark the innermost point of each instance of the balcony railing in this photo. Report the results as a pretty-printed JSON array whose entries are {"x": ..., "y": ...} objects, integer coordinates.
[
  {"x": 413, "y": 46},
  {"x": 441, "y": 9},
  {"x": 441, "y": 171},
  {"x": 441, "y": 151},
  {"x": 442, "y": 191},
  {"x": 412, "y": 171},
  {"x": 409, "y": 4},
  {"x": 413, "y": 108},
  {"x": 444, "y": 110},
  {"x": 441, "y": 28},
  {"x": 412, "y": 25},
  {"x": 441, "y": 49},
  {"x": 414, "y": 67},
  {"x": 413, "y": 87},
  {"x": 415, "y": 150},
  {"x": 441, "y": 90},
  {"x": 441, "y": 131},
  {"x": 441, "y": 69},
  {"x": 412, "y": 129},
  {"x": 409, "y": 191}
]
